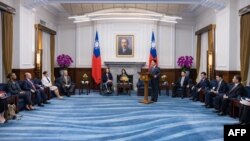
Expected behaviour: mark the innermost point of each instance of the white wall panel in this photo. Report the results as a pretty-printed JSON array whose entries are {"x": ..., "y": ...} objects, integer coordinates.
[
  {"x": 82, "y": 37},
  {"x": 27, "y": 38},
  {"x": 222, "y": 40},
  {"x": 185, "y": 42},
  {"x": 66, "y": 42},
  {"x": 166, "y": 47},
  {"x": 84, "y": 45}
]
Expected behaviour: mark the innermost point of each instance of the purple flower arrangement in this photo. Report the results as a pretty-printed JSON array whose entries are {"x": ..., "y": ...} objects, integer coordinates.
[
  {"x": 185, "y": 62},
  {"x": 64, "y": 60}
]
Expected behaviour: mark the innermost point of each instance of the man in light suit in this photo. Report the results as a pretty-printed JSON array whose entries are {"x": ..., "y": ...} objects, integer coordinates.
[
  {"x": 123, "y": 48},
  {"x": 182, "y": 83},
  {"x": 65, "y": 82},
  {"x": 155, "y": 74}
]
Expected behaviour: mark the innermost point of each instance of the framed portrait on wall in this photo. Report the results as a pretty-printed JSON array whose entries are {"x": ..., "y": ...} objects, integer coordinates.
[{"x": 125, "y": 45}]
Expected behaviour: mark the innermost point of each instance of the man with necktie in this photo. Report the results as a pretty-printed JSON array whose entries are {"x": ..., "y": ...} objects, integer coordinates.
[
  {"x": 67, "y": 86},
  {"x": 181, "y": 83},
  {"x": 201, "y": 86},
  {"x": 155, "y": 74},
  {"x": 224, "y": 101},
  {"x": 220, "y": 89},
  {"x": 29, "y": 85}
]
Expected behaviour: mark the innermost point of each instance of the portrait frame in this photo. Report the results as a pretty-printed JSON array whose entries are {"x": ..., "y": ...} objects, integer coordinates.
[{"x": 129, "y": 53}]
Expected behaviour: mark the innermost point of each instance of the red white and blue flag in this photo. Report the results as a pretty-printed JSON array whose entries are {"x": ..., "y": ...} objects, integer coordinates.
[
  {"x": 153, "y": 53},
  {"x": 96, "y": 61}
]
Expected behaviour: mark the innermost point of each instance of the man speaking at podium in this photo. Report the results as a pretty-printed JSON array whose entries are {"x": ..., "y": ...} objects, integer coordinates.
[{"x": 155, "y": 74}]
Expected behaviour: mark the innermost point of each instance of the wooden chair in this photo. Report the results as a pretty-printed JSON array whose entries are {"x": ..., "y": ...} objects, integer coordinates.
[
  {"x": 202, "y": 95},
  {"x": 124, "y": 86}
]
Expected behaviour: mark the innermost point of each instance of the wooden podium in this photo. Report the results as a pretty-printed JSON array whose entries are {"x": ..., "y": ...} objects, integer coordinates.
[{"x": 145, "y": 77}]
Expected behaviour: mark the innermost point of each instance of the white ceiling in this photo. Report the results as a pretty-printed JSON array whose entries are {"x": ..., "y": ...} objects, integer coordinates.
[
  {"x": 80, "y": 7},
  {"x": 169, "y": 9}
]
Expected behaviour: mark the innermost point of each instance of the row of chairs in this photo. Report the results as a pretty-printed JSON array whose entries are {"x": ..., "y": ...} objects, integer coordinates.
[
  {"x": 235, "y": 103},
  {"x": 12, "y": 99}
]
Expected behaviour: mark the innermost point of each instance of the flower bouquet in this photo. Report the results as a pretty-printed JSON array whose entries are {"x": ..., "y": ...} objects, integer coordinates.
[
  {"x": 185, "y": 62},
  {"x": 64, "y": 61}
]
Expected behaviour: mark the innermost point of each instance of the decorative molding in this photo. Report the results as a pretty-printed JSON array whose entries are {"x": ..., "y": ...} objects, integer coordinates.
[
  {"x": 205, "y": 29},
  {"x": 141, "y": 64},
  {"x": 45, "y": 29},
  {"x": 7, "y": 8},
  {"x": 195, "y": 4},
  {"x": 244, "y": 10}
]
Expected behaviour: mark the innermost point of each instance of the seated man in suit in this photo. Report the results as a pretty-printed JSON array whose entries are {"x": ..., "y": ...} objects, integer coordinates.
[
  {"x": 15, "y": 89},
  {"x": 182, "y": 83},
  {"x": 224, "y": 101},
  {"x": 29, "y": 85},
  {"x": 201, "y": 86},
  {"x": 67, "y": 86},
  {"x": 107, "y": 80},
  {"x": 221, "y": 88}
]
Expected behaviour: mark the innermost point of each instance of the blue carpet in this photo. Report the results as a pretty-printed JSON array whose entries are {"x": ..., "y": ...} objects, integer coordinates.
[{"x": 121, "y": 118}]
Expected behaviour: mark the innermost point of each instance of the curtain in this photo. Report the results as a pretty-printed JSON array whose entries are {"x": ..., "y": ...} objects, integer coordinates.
[
  {"x": 244, "y": 46},
  {"x": 7, "y": 41},
  {"x": 52, "y": 56},
  {"x": 211, "y": 40},
  {"x": 46, "y": 53},
  {"x": 198, "y": 55},
  {"x": 1, "y": 52}
]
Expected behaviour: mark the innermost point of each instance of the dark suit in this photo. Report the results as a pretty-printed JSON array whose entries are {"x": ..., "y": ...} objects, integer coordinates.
[
  {"x": 223, "y": 103},
  {"x": 40, "y": 94},
  {"x": 105, "y": 78},
  {"x": 155, "y": 82},
  {"x": 244, "y": 115},
  {"x": 203, "y": 84},
  {"x": 221, "y": 87},
  {"x": 128, "y": 51},
  {"x": 15, "y": 89},
  {"x": 67, "y": 86},
  {"x": 178, "y": 85}
]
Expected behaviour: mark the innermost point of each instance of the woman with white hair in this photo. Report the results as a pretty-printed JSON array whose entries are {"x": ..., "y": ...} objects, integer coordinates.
[{"x": 46, "y": 81}]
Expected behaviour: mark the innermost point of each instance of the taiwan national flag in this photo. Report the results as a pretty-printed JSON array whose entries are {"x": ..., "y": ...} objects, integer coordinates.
[
  {"x": 153, "y": 54},
  {"x": 96, "y": 61}
]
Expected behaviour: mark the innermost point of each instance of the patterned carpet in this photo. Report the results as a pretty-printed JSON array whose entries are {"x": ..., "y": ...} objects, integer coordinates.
[{"x": 122, "y": 118}]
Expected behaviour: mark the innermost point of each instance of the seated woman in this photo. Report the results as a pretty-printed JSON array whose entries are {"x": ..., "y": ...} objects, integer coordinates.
[
  {"x": 123, "y": 78},
  {"x": 46, "y": 81},
  {"x": 15, "y": 89},
  {"x": 107, "y": 80}
]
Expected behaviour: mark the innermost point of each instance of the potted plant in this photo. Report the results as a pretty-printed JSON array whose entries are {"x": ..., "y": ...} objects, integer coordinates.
[
  {"x": 185, "y": 62},
  {"x": 64, "y": 61}
]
